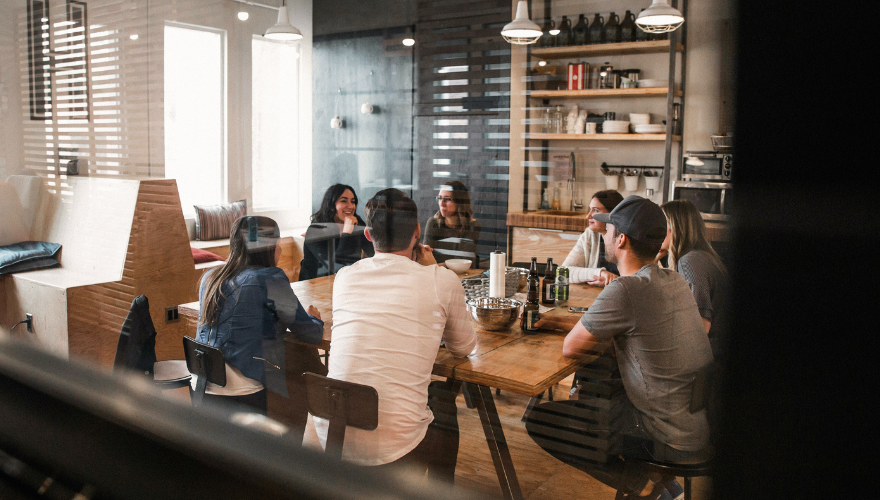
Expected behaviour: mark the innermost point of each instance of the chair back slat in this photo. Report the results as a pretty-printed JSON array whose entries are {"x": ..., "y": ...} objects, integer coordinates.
[
  {"x": 342, "y": 404},
  {"x": 205, "y": 361}
]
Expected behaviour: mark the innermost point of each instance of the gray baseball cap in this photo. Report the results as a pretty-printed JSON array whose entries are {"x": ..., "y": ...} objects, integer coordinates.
[{"x": 639, "y": 218}]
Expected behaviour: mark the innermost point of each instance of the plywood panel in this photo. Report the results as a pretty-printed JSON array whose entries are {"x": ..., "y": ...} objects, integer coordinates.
[
  {"x": 91, "y": 219},
  {"x": 541, "y": 243},
  {"x": 158, "y": 264}
]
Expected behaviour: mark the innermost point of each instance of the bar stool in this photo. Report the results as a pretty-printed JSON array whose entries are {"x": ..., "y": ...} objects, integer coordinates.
[{"x": 342, "y": 404}]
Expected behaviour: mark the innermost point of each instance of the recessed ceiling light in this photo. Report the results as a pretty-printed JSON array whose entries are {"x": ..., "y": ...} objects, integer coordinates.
[
  {"x": 409, "y": 42},
  {"x": 134, "y": 37},
  {"x": 243, "y": 15}
]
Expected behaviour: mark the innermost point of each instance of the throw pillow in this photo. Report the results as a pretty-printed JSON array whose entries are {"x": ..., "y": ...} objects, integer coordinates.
[
  {"x": 28, "y": 256},
  {"x": 214, "y": 222},
  {"x": 201, "y": 256}
]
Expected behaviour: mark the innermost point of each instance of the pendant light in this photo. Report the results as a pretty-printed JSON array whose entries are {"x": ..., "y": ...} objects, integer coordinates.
[
  {"x": 660, "y": 17},
  {"x": 283, "y": 30},
  {"x": 521, "y": 31}
]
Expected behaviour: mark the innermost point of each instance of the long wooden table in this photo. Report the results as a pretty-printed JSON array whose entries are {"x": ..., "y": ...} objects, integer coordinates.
[{"x": 524, "y": 363}]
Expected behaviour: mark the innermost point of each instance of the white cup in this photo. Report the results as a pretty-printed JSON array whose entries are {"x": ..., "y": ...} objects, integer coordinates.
[{"x": 590, "y": 128}]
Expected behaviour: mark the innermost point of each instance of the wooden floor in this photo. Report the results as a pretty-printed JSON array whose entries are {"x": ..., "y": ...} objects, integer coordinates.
[{"x": 540, "y": 475}]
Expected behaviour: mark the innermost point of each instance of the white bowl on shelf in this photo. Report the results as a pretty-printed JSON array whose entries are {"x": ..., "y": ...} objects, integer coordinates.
[
  {"x": 654, "y": 128},
  {"x": 653, "y": 83},
  {"x": 459, "y": 265},
  {"x": 615, "y": 127},
  {"x": 640, "y": 118}
]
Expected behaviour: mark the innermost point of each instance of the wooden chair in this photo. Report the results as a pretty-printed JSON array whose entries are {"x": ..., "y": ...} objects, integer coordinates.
[
  {"x": 342, "y": 404},
  {"x": 136, "y": 349},
  {"x": 701, "y": 397},
  {"x": 207, "y": 363}
]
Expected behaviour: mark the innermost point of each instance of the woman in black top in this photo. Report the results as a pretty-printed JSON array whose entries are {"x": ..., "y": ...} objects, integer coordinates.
[
  {"x": 453, "y": 232},
  {"x": 335, "y": 225}
]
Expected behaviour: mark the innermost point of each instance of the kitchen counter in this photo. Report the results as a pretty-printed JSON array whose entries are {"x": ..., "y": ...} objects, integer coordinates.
[{"x": 549, "y": 219}]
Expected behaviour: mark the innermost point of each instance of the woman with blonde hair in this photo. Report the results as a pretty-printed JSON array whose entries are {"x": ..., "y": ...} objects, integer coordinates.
[
  {"x": 453, "y": 232},
  {"x": 693, "y": 257}
]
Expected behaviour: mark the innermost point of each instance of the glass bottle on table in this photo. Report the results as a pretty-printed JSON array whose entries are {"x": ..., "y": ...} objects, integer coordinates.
[
  {"x": 548, "y": 284},
  {"x": 530, "y": 314}
]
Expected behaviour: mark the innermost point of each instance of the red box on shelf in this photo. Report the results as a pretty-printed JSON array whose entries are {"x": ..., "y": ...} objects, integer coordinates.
[{"x": 576, "y": 74}]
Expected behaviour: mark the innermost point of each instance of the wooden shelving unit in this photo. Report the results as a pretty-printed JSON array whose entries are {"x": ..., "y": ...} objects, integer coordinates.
[
  {"x": 600, "y": 137},
  {"x": 651, "y": 47},
  {"x": 588, "y": 93}
]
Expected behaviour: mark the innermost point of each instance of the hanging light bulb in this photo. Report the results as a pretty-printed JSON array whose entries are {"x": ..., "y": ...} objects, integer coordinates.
[
  {"x": 521, "y": 31},
  {"x": 283, "y": 30},
  {"x": 660, "y": 17}
]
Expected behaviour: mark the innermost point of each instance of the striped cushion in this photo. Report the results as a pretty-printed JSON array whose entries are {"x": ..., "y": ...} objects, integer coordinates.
[{"x": 214, "y": 222}]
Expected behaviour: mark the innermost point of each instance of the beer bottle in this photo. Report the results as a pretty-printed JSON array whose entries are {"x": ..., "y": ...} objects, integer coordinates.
[
  {"x": 530, "y": 310},
  {"x": 548, "y": 284}
]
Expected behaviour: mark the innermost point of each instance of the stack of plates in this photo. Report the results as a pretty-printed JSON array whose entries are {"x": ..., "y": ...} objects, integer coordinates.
[
  {"x": 615, "y": 127},
  {"x": 655, "y": 128},
  {"x": 653, "y": 83}
]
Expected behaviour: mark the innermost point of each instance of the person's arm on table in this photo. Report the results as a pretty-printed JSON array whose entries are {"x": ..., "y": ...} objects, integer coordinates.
[
  {"x": 305, "y": 326},
  {"x": 458, "y": 333}
]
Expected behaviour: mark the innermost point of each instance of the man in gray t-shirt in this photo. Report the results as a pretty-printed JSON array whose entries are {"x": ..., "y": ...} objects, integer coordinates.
[{"x": 650, "y": 318}]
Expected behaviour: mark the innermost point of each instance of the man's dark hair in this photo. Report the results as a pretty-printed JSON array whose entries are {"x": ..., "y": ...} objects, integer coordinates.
[
  {"x": 392, "y": 218},
  {"x": 644, "y": 251}
]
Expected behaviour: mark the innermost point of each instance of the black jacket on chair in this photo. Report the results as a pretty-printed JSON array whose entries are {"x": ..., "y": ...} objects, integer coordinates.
[{"x": 137, "y": 342}]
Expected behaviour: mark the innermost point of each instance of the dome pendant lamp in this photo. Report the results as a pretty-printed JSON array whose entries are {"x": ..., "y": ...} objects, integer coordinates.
[
  {"x": 521, "y": 31},
  {"x": 283, "y": 30},
  {"x": 660, "y": 17}
]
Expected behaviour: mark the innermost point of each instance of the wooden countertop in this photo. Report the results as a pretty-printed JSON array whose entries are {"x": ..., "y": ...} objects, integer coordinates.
[
  {"x": 549, "y": 219},
  {"x": 577, "y": 221}
]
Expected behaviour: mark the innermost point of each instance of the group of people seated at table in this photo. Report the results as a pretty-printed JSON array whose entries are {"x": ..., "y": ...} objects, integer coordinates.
[
  {"x": 452, "y": 232},
  {"x": 393, "y": 305}
]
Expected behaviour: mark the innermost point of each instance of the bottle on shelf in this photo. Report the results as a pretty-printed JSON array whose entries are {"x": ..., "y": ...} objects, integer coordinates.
[
  {"x": 556, "y": 123},
  {"x": 545, "y": 201},
  {"x": 611, "y": 32},
  {"x": 596, "y": 31},
  {"x": 565, "y": 36},
  {"x": 581, "y": 31},
  {"x": 548, "y": 284},
  {"x": 547, "y": 121},
  {"x": 548, "y": 40},
  {"x": 628, "y": 27},
  {"x": 530, "y": 310},
  {"x": 642, "y": 35},
  {"x": 555, "y": 203}
]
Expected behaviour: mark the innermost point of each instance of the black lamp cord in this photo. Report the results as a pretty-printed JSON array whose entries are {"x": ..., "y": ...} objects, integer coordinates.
[{"x": 28, "y": 321}]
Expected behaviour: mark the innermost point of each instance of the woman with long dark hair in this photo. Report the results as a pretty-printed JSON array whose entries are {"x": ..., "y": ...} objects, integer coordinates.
[
  {"x": 453, "y": 232},
  {"x": 586, "y": 261},
  {"x": 334, "y": 226},
  {"x": 694, "y": 258},
  {"x": 245, "y": 307}
]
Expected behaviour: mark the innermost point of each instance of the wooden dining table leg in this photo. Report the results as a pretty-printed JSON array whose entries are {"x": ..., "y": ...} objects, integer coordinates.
[{"x": 485, "y": 403}]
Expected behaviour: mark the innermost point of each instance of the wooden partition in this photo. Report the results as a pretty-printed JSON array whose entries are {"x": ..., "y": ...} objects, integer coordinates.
[{"x": 120, "y": 238}]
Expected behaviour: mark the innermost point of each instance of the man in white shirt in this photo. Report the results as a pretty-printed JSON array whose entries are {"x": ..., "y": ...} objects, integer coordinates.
[{"x": 390, "y": 313}]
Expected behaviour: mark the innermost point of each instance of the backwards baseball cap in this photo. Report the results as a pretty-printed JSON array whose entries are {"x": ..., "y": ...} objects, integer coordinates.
[{"x": 638, "y": 218}]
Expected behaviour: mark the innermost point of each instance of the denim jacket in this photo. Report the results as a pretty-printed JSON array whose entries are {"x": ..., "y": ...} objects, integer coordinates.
[{"x": 256, "y": 309}]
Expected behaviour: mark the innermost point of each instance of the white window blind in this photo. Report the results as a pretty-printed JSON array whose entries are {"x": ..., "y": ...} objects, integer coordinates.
[
  {"x": 85, "y": 87},
  {"x": 195, "y": 113},
  {"x": 275, "y": 165}
]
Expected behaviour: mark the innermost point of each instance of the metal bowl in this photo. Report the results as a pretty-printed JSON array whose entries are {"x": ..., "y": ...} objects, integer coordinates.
[{"x": 493, "y": 313}]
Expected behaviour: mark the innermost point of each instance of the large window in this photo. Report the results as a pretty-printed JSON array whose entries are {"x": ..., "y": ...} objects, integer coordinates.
[
  {"x": 276, "y": 171},
  {"x": 195, "y": 113}
]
